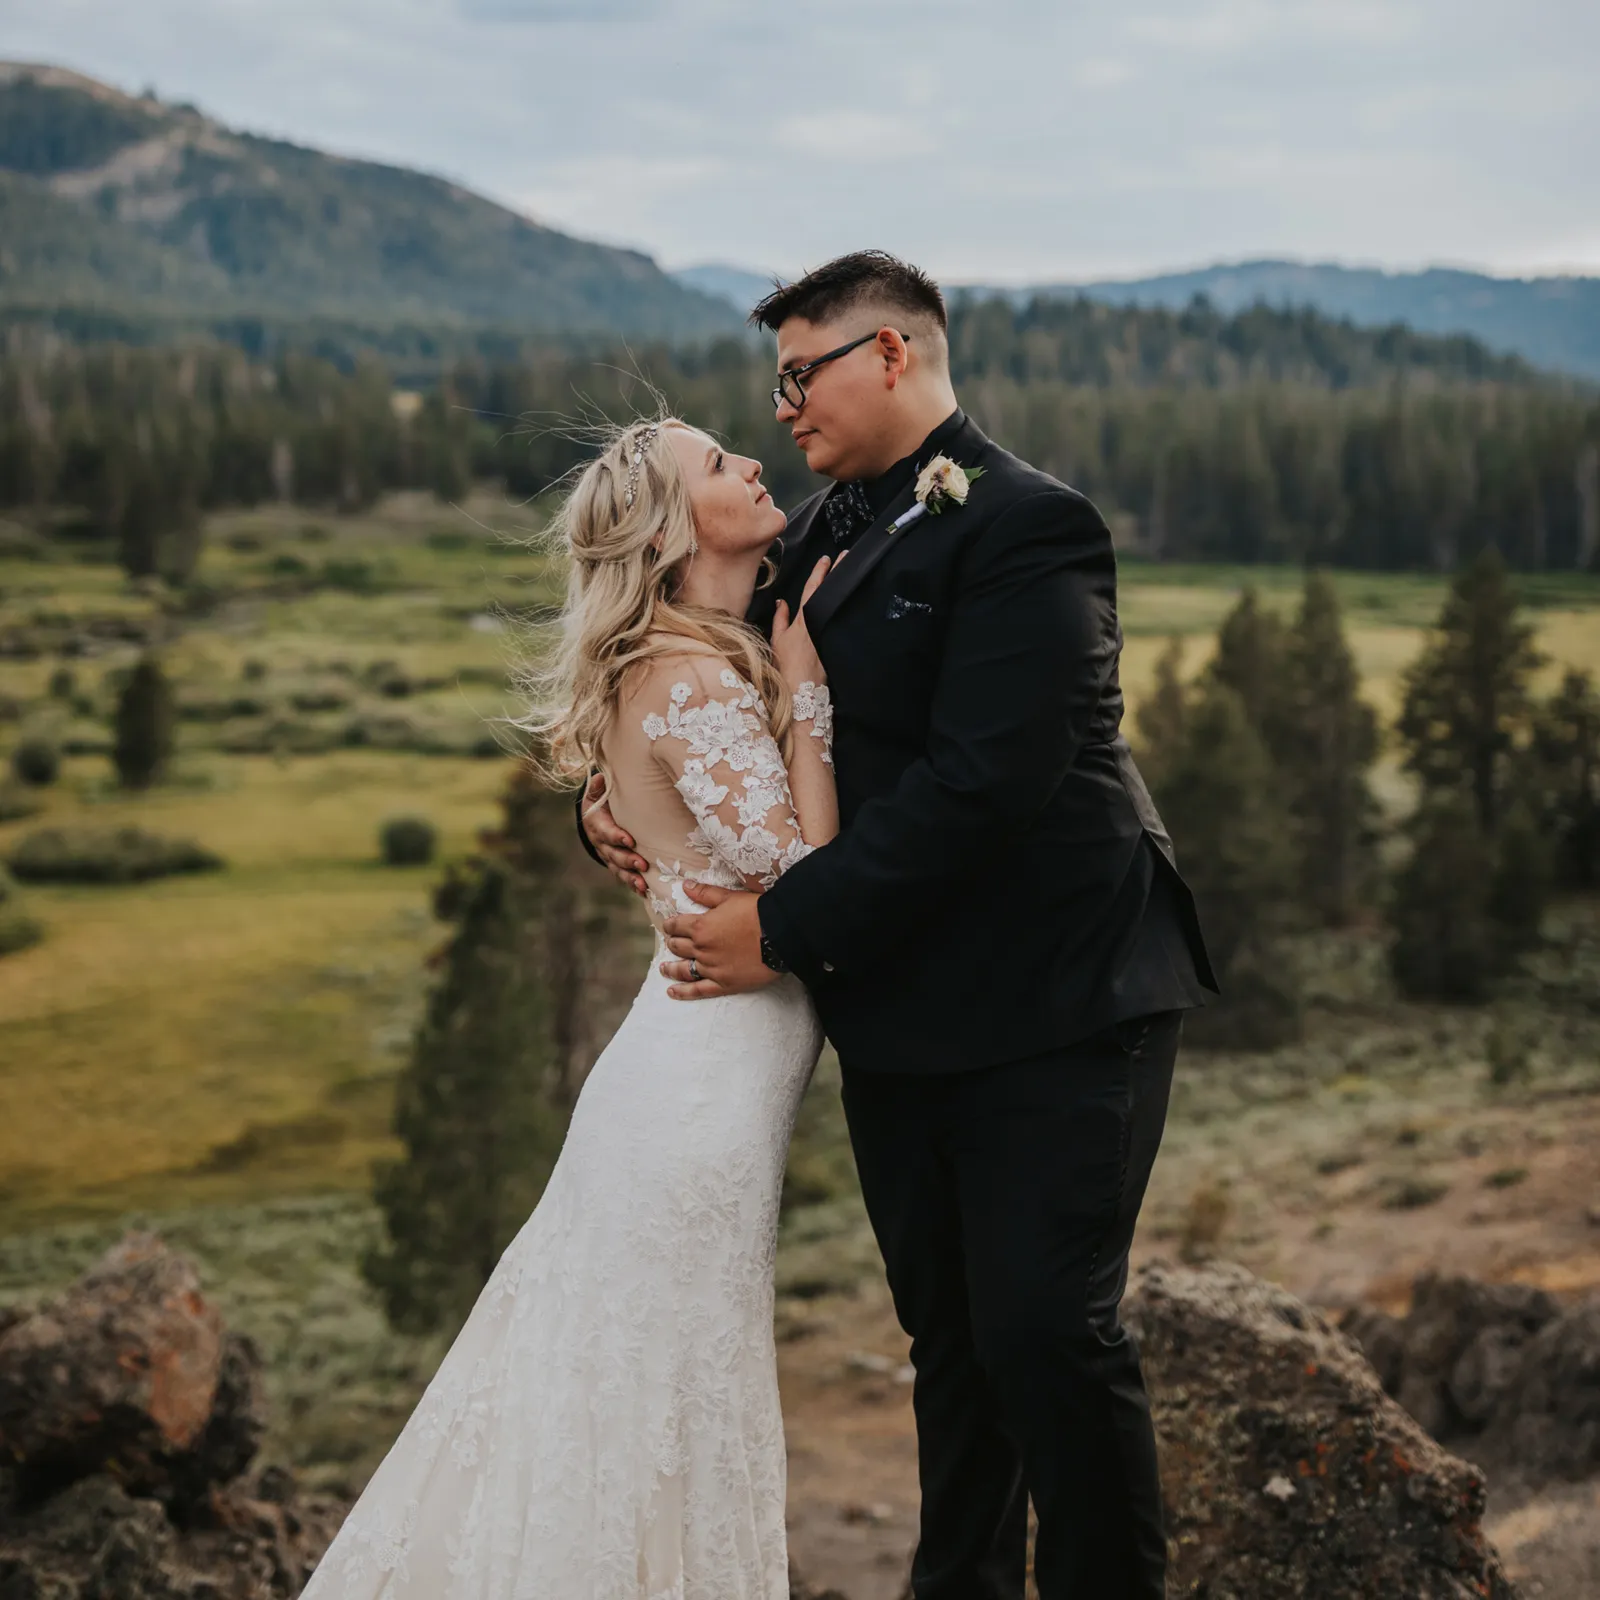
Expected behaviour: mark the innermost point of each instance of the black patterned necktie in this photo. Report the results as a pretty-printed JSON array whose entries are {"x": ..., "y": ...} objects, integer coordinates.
[{"x": 848, "y": 511}]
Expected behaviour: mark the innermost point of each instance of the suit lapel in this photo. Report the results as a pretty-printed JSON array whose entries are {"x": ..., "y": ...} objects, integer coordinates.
[
  {"x": 876, "y": 541},
  {"x": 868, "y": 550}
]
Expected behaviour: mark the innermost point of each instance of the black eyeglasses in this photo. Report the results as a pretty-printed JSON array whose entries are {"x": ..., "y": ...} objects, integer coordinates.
[{"x": 790, "y": 387}]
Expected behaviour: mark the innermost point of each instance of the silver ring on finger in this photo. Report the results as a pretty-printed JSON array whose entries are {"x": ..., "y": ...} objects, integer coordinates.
[{"x": 694, "y": 970}]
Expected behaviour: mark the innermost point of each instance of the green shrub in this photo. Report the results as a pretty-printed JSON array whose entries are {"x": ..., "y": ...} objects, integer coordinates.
[
  {"x": 388, "y": 678},
  {"x": 222, "y": 707},
  {"x": 287, "y": 565},
  {"x": 407, "y": 841},
  {"x": 17, "y": 802},
  {"x": 18, "y": 930},
  {"x": 1506, "y": 1177},
  {"x": 85, "y": 739},
  {"x": 351, "y": 574},
  {"x": 1205, "y": 1219},
  {"x": 278, "y": 735},
  {"x": 105, "y": 855},
  {"x": 1264, "y": 1007},
  {"x": 22, "y": 544},
  {"x": 263, "y": 1142},
  {"x": 320, "y": 697},
  {"x": 63, "y": 683},
  {"x": 36, "y": 762},
  {"x": 1509, "y": 1053},
  {"x": 1412, "y": 1194},
  {"x": 254, "y": 670}
]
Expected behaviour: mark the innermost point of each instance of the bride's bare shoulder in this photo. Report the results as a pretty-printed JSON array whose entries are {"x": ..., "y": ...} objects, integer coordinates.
[{"x": 675, "y": 661}]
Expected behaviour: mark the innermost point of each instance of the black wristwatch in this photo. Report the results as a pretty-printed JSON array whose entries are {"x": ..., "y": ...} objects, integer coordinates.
[{"x": 770, "y": 956}]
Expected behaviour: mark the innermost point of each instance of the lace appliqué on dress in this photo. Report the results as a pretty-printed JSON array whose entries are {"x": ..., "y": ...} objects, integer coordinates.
[
  {"x": 814, "y": 704},
  {"x": 746, "y": 827}
]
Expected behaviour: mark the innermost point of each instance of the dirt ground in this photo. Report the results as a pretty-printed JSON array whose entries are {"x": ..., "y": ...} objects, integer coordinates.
[{"x": 1505, "y": 1191}]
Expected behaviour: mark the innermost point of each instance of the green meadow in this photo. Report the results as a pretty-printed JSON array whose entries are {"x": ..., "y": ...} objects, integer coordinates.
[
  {"x": 215, "y": 1054},
  {"x": 231, "y": 1036}
]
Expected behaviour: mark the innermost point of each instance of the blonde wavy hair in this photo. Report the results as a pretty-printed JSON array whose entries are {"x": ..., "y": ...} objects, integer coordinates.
[{"x": 626, "y": 565}]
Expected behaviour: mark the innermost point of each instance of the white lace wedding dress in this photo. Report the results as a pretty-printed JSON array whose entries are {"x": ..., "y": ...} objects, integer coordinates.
[{"x": 606, "y": 1425}]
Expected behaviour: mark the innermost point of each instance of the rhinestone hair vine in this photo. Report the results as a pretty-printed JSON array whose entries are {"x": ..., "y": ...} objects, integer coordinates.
[{"x": 635, "y": 461}]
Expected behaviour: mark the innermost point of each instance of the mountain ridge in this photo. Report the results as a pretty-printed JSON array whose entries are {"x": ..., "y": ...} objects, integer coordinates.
[
  {"x": 1552, "y": 322},
  {"x": 233, "y": 223}
]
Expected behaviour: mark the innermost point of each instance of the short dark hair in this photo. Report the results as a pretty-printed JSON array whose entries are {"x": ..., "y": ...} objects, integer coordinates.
[{"x": 840, "y": 285}]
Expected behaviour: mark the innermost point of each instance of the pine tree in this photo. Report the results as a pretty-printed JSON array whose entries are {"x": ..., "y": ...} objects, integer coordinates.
[
  {"x": 1563, "y": 779},
  {"x": 1520, "y": 884},
  {"x": 1220, "y": 797},
  {"x": 1445, "y": 944},
  {"x": 1467, "y": 703},
  {"x": 142, "y": 730},
  {"x": 1251, "y": 660},
  {"x": 481, "y": 1109},
  {"x": 472, "y": 1110},
  {"x": 1327, "y": 743},
  {"x": 1162, "y": 715}
]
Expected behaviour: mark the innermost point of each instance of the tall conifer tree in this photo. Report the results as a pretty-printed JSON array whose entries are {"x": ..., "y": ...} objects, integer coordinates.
[
  {"x": 1468, "y": 702},
  {"x": 1328, "y": 741},
  {"x": 143, "y": 728},
  {"x": 1220, "y": 796},
  {"x": 482, "y": 1107}
]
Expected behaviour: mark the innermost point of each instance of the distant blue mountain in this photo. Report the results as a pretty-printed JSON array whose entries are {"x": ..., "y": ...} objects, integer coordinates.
[
  {"x": 1552, "y": 322},
  {"x": 737, "y": 285}
]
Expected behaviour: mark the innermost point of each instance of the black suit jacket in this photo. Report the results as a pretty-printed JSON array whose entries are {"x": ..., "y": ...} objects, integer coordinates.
[{"x": 1002, "y": 884}]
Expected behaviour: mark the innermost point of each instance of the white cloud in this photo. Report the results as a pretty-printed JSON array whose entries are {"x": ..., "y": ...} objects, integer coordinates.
[
  {"x": 854, "y": 138},
  {"x": 1061, "y": 141}
]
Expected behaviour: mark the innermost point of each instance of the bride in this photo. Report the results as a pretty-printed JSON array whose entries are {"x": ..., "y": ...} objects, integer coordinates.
[{"x": 606, "y": 1425}]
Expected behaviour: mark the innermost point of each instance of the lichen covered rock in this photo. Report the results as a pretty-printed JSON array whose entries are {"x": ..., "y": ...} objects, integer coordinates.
[
  {"x": 129, "y": 1417},
  {"x": 1502, "y": 1371},
  {"x": 1288, "y": 1471}
]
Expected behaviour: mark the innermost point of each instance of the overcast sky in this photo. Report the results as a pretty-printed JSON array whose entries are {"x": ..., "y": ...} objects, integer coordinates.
[{"x": 1007, "y": 140}]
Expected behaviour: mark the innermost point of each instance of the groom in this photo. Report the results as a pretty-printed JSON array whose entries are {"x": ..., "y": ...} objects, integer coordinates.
[{"x": 998, "y": 942}]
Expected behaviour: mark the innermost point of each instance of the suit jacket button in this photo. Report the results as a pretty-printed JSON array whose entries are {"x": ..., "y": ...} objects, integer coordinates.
[{"x": 827, "y": 966}]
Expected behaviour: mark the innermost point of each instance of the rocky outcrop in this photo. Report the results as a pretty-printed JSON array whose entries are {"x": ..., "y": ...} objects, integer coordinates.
[
  {"x": 130, "y": 1366},
  {"x": 1500, "y": 1370},
  {"x": 1288, "y": 1470},
  {"x": 129, "y": 1420}
]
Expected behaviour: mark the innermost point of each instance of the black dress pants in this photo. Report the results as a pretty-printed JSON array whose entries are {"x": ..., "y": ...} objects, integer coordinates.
[{"x": 1004, "y": 1201}]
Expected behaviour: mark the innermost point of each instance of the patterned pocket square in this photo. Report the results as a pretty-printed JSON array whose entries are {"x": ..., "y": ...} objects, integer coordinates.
[{"x": 900, "y": 608}]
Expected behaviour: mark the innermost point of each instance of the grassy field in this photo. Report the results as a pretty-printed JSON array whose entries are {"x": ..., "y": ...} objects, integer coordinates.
[
  {"x": 217, "y": 1053},
  {"x": 231, "y": 1037}
]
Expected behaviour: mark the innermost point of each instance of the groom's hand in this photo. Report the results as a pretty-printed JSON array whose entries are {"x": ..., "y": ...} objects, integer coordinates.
[
  {"x": 614, "y": 845},
  {"x": 724, "y": 943}
]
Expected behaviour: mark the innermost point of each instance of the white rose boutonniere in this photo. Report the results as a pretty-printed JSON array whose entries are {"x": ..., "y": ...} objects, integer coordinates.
[{"x": 941, "y": 483}]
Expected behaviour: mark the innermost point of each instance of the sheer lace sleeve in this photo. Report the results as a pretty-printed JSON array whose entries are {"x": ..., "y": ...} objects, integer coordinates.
[{"x": 712, "y": 737}]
